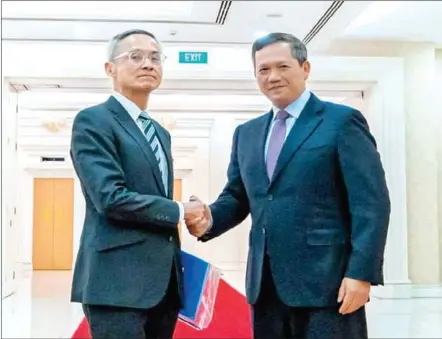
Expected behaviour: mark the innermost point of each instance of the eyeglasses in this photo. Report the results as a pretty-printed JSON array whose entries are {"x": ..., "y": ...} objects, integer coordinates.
[{"x": 138, "y": 58}]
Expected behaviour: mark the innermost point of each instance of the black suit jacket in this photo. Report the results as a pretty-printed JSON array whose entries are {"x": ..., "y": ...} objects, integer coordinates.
[
  {"x": 325, "y": 213},
  {"x": 130, "y": 236}
]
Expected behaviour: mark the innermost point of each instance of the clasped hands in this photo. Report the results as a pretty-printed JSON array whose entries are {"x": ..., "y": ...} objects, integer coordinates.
[{"x": 197, "y": 216}]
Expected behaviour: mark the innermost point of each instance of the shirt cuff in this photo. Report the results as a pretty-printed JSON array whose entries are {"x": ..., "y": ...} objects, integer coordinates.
[
  {"x": 210, "y": 226},
  {"x": 181, "y": 207}
]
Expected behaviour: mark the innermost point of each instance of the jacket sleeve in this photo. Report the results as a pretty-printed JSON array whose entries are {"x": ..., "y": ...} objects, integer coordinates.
[
  {"x": 232, "y": 206},
  {"x": 368, "y": 199},
  {"x": 97, "y": 164}
]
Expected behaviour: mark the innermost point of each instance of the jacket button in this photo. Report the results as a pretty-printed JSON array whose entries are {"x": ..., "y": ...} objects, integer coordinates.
[
  {"x": 170, "y": 239},
  {"x": 263, "y": 230},
  {"x": 270, "y": 197}
]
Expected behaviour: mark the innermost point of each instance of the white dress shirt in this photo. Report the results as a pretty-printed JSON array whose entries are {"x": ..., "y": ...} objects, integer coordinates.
[{"x": 294, "y": 110}]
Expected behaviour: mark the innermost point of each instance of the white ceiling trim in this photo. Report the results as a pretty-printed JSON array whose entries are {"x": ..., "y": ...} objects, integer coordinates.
[{"x": 94, "y": 10}]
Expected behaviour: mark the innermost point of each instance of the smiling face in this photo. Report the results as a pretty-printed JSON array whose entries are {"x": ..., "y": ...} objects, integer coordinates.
[
  {"x": 279, "y": 75},
  {"x": 137, "y": 64}
]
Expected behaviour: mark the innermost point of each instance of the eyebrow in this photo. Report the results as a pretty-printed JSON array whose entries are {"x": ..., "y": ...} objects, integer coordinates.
[
  {"x": 278, "y": 63},
  {"x": 144, "y": 50}
]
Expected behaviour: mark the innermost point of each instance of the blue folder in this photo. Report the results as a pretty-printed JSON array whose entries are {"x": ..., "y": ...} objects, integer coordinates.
[{"x": 201, "y": 281}]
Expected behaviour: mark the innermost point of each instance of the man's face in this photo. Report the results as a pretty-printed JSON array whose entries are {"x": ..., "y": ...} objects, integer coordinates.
[
  {"x": 138, "y": 65},
  {"x": 279, "y": 75}
]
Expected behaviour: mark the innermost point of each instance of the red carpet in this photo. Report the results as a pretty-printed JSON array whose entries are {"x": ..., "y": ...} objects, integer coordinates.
[{"x": 231, "y": 319}]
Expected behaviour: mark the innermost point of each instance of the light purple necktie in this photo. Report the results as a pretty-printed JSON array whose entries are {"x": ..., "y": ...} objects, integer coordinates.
[{"x": 276, "y": 141}]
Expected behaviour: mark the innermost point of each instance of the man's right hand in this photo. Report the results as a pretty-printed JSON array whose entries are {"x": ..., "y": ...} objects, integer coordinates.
[
  {"x": 193, "y": 210},
  {"x": 199, "y": 226}
]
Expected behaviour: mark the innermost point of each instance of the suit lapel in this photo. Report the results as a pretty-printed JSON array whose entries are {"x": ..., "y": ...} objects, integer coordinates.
[
  {"x": 134, "y": 131},
  {"x": 165, "y": 144},
  {"x": 305, "y": 125}
]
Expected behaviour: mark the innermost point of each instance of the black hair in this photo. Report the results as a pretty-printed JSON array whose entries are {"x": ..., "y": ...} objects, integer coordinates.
[
  {"x": 297, "y": 47},
  {"x": 116, "y": 40}
]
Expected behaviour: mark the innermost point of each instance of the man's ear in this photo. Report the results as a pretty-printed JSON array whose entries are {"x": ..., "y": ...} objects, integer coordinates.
[
  {"x": 306, "y": 66},
  {"x": 109, "y": 68}
]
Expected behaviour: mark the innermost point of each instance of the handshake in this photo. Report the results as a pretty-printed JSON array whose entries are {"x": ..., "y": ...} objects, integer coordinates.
[{"x": 197, "y": 216}]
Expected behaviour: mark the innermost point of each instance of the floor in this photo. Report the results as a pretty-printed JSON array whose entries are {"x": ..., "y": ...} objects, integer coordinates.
[{"x": 41, "y": 309}]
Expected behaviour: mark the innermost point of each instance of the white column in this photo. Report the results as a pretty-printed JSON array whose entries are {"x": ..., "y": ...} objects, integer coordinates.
[
  {"x": 384, "y": 109},
  {"x": 8, "y": 222},
  {"x": 422, "y": 165},
  {"x": 439, "y": 156}
]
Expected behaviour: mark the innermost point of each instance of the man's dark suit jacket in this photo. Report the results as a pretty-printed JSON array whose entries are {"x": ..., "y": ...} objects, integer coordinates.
[
  {"x": 323, "y": 216},
  {"x": 130, "y": 236}
]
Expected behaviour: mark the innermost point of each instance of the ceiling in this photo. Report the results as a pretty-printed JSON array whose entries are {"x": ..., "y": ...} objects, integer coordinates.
[
  {"x": 408, "y": 21},
  {"x": 220, "y": 22},
  {"x": 223, "y": 22}
]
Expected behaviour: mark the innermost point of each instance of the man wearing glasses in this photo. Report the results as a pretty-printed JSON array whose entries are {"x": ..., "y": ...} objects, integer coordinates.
[{"x": 128, "y": 275}]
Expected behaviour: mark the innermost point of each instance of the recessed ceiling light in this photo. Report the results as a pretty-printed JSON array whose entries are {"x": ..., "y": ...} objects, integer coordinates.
[{"x": 274, "y": 15}]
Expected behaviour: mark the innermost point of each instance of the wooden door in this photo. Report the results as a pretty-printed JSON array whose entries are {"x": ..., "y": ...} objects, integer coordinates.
[
  {"x": 178, "y": 195},
  {"x": 53, "y": 224}
]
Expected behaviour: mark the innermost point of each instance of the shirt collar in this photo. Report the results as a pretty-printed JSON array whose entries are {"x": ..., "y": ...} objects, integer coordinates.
[
  {"x": 133, "y": 110},
  {"x": 296, "y": 107}
]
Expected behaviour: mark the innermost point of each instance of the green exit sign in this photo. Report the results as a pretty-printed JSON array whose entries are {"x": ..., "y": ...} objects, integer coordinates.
[{"x": 193, "y": 58}]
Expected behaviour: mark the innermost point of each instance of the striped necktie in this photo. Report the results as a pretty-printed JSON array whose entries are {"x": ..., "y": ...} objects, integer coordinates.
[{"x": 151, "y": 136}]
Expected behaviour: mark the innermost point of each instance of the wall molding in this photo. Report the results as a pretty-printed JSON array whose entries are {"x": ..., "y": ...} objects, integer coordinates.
[{"x": 36, "y": 141}]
